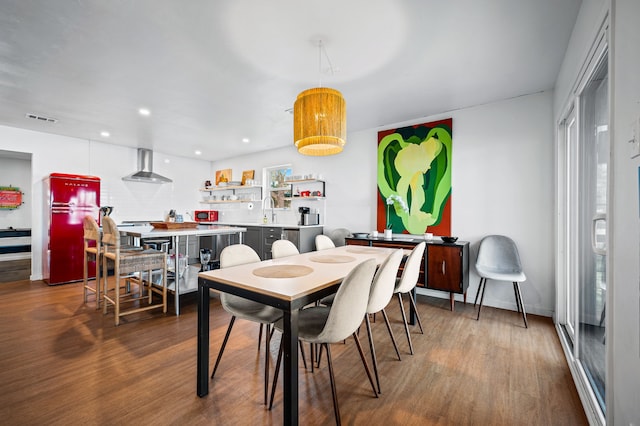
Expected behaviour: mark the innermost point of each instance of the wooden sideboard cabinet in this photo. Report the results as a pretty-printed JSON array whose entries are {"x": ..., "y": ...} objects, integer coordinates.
[{"x": 445, "y": 267}]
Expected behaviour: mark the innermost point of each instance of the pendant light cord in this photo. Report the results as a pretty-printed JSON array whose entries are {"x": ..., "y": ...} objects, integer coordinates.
[{"x": 322, "y": 49}]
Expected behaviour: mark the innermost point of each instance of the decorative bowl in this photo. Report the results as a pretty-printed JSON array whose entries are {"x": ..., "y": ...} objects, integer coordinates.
[{"x": 449, "y": 240}]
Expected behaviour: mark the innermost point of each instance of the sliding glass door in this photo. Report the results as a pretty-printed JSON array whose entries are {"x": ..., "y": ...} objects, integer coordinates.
[{"x": 584, "y": 174}]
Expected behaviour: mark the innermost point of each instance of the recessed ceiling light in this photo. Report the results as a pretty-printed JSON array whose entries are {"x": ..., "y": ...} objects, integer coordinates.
[
  {"x": 144, "y": 111},
  {"x": 167, "y": 161},
  {"x": 105, "y": 134},
  {"x": 198, "y": 152},
  {"x": 245, "y": 140}
]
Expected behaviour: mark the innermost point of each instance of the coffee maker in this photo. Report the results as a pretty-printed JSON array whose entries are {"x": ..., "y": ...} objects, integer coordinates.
[{"x": 308, "y": 218}]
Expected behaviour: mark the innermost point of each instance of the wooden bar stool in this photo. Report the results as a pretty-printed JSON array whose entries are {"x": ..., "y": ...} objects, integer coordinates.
[
  {"x": 131, "y": 265},
  {"x": 92, "y": 253}
]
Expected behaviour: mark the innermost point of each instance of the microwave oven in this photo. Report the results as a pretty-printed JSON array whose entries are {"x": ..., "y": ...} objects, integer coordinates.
[{"x": 205, "y": 215}]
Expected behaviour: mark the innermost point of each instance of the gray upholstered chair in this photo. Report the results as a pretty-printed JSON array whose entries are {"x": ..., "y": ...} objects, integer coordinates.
[
  {"x": 323, "y": 242},
  {"x": 283, "y": 248},
  {"x": 338, "y": 235},
  {"x": 406, "y": 283},
  {"x": 238, "y": 307},
  {"x": 323, "y": 325},
  {"x": 498, "y": 260},
  {"x": 379, "y": 297}
]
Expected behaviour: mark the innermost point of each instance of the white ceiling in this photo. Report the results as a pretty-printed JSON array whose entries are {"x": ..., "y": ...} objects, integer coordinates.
[{"x": 213, "y": 72}]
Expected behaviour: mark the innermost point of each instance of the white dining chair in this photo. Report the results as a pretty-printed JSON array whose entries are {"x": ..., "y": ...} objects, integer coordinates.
[
  {"x": 405, "y": 285},
  {"x": 238, "y": 307},
  {"x": 283, "y": 248},
  {"x": 379, "y": 297},
  {"x": 324, "y": 325},
  {"x": 323, "y": 242}
]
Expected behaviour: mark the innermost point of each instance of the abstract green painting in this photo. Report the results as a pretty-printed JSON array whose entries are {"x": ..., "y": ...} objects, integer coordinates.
[{"x": 414, "y": 178}]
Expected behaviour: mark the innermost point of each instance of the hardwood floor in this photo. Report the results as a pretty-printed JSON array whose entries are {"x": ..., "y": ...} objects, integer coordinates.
[{"x": 65, "y": 363}]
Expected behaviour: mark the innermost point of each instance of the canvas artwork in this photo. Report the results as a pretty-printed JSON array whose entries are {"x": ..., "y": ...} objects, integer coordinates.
[
  {"x": 247, "y": 175},
  {"x": 414, "y": 178},
  {"x": 223, "y": 176}
]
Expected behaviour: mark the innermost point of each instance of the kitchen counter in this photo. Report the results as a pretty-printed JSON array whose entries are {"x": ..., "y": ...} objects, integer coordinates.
[{"x": 269, "y": 225}]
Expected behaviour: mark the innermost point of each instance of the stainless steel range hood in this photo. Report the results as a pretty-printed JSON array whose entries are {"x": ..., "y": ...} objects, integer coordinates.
[{"x": 145, "y": 169}]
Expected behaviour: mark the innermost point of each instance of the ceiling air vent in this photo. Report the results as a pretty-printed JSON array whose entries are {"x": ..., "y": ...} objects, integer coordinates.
[{"x": 42, "y": 118}]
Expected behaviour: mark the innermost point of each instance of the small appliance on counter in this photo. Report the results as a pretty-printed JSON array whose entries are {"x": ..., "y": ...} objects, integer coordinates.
[
  {"x": 308, "y": 218},
  {"x": 205, "y": 215},
  {"x": 206, "y": 263}
]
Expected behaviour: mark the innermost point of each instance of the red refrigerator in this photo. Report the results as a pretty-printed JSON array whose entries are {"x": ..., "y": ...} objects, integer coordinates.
[{"x": 69, "y": 198}]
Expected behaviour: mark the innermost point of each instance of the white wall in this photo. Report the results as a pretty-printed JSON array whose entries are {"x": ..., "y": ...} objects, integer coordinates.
[
  {"x": 17, "y": 173},
  {"x": 502, "y": 183},
  {"x": 132, "y": 200},
  {"x": 623, "y": 331}
]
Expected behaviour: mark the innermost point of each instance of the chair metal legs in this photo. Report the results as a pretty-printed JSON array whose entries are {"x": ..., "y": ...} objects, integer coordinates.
[
  {"x": 480, "y": 285},
  {"x": 415, "y": 309},
  {"x": 277, "y": 368},
  {"x": 483, "y": 286},
  {"x": 224, "y": 344},
  {"x": 372, "y": 348},
  {"x": 266, "y": 354},
  {"x": 516, "y": 287},
  {"x": 334, "y": 394},
  {"x": 516, "y": 291},
  {"x": 406, "y": 323}
]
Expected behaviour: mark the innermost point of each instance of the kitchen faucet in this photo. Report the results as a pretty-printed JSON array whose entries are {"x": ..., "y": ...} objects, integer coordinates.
[{"x": 267, "y": 203}]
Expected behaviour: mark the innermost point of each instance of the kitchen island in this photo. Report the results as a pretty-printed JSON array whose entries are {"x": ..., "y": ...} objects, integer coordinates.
[{"x": 187, "y": 281}]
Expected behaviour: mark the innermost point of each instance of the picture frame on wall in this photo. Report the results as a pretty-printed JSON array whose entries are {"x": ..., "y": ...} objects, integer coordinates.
[
  {"x": 247, "y": 175},
  {"x": 223, "y": 176}
]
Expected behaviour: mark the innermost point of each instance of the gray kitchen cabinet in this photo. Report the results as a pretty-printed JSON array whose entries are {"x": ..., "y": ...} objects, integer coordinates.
[
  {"x": 269, "y": 235},
  {"x": 253, "y": 238},
  {"x": 303, "y": 238}
]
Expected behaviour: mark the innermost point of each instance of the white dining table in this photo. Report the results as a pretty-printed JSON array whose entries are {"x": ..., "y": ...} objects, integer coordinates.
[
  {"x": 140, "y": 232},
  {"x": 288, "y": 283}
]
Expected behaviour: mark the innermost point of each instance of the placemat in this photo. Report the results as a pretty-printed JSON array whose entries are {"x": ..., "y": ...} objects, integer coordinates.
[
  {"x": 283, "y": 271},
  {"x": 328, "y": 258}
]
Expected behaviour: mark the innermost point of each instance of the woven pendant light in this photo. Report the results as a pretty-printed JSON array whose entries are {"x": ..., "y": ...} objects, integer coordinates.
[
  {"x": 320, "y": 117},
  {"x": 319, "y": 122}
]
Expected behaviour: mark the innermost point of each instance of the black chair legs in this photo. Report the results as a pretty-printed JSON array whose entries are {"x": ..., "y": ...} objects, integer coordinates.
[
  {"x": 516, "y": 291},
  {"x": 406, "y": 324},
  {"x": 224, "y": 344},
  {"x": 516, "y": 286}
]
